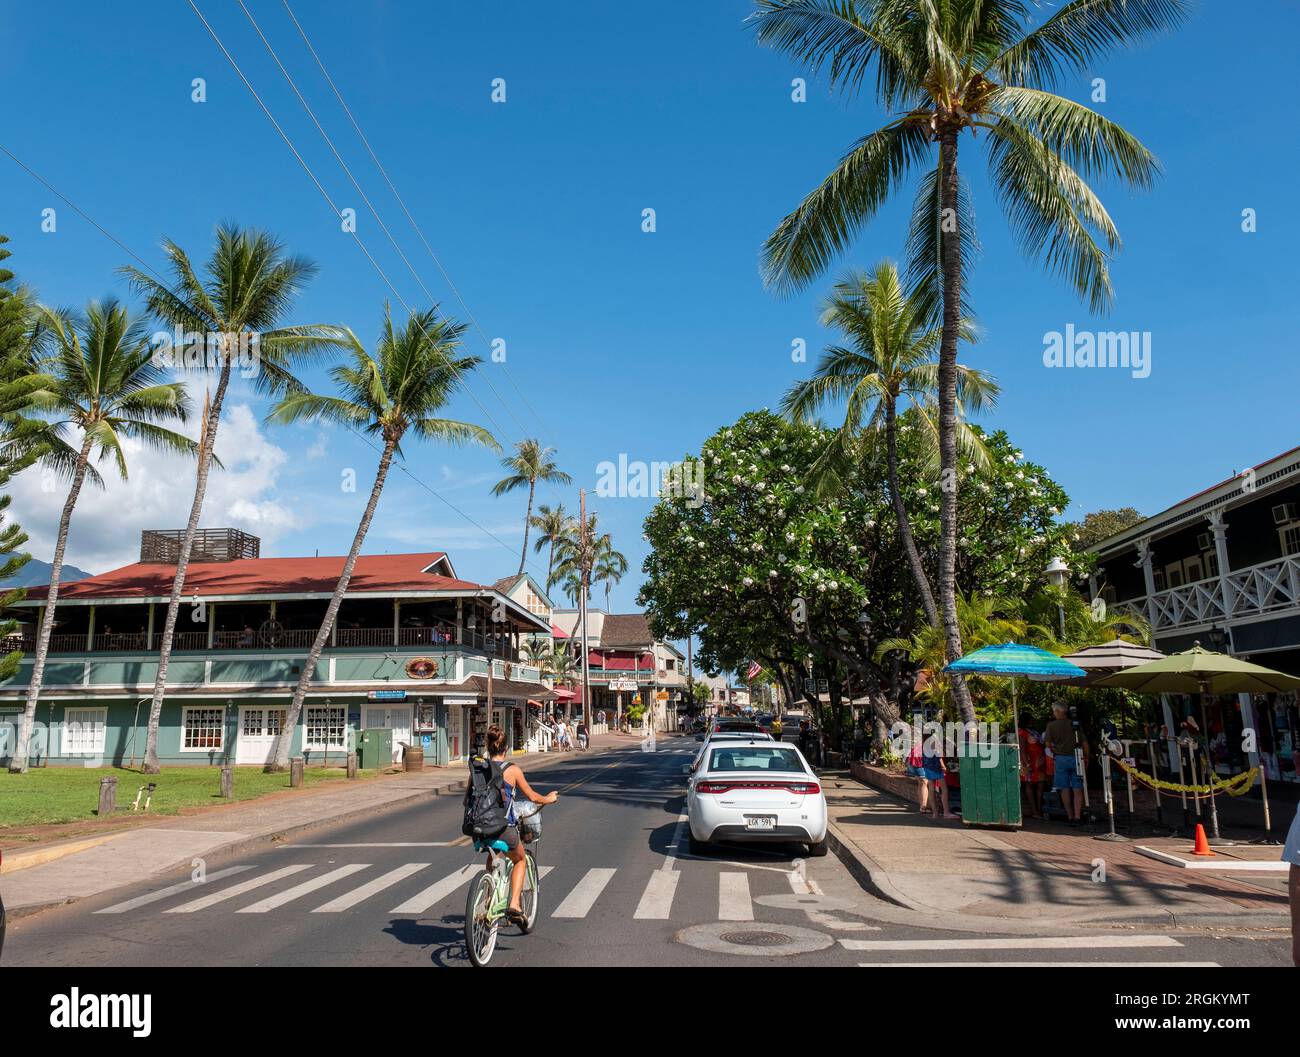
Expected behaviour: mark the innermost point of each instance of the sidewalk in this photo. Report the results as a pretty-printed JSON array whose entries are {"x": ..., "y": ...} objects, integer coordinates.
[
  {"x": 136, "y": 854},
  {"x": 1041, "y": 876}
]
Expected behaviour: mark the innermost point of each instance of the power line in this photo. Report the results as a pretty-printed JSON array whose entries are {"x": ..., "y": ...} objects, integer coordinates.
[
  {"x": 364, "y": 197},
  {"x": 200, "y": 314},
  {"x": 325, "y": 194},
  {"x": 401, "y": 202}
]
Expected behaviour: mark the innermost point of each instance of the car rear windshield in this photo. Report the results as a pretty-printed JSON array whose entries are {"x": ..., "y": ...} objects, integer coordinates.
[
  {"x": 744, "y": 725},
  {"x": 755, "y": 758}
]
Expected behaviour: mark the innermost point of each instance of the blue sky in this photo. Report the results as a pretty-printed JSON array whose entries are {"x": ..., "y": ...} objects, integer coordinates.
[{"x": 625, "y": 342}]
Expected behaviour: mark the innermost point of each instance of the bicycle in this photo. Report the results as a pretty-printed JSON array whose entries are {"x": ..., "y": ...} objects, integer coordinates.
[{"x": 489, "y": 895}]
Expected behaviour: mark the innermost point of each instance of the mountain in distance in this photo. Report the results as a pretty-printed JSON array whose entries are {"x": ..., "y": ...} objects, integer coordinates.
[{"x": 36, "y": 573}]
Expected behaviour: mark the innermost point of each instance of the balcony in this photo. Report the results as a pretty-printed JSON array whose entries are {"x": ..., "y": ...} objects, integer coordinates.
[
  {"x": 1271, "y": 587},
  {"x": 435, "y": 636}
]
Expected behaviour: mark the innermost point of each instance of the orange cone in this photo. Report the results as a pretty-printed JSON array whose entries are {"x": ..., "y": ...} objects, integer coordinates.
[{"x": 1202, "y": 846}]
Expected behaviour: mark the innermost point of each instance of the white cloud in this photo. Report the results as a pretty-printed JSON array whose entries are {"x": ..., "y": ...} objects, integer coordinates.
[{"x": 106, "y": 523}]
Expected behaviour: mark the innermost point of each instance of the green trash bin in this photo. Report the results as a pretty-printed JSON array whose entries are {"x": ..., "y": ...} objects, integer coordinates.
[
  {"x": 375, "y": 748},
  {"x": 990, "y": 785}
]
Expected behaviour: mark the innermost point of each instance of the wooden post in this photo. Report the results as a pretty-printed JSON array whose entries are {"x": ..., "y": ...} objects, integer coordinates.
[
  {"x": 90, "y": 629},
  {"x": 295, "y": 772},
  {"x": 107, "y": 796},
  {"x": 352, "y": 765},
  {"x": 228, "y": 782}
]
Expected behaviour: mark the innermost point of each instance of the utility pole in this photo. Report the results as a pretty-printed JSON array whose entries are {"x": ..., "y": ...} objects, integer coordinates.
[
  {"x": 583, "y": 572},
  {"x": 690, "y": 677}
]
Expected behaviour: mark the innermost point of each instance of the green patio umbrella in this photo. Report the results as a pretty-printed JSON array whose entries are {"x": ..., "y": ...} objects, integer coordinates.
[{"x": 1200, "y": 671}]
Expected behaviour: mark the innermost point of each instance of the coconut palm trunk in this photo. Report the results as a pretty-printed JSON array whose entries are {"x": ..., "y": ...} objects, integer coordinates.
[
  {"x": 900, "y": 514},
  {"x": 210, "y": 423},
  {"x": 952, "y": 286},
  {"x": 19, "y": 762},
  {"x": 290, "y": 724},
  {"x": 523, "y": 554}
]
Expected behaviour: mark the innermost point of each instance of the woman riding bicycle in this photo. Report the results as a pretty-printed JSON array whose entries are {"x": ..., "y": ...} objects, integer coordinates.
[{"x": 514, "y": 786}]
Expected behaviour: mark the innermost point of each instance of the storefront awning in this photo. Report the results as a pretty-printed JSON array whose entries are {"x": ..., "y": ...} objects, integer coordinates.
[{"x": 477, "y": 685}]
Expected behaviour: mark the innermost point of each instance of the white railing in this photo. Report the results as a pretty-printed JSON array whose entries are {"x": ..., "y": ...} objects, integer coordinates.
[{"x": 1265, "y": 588}]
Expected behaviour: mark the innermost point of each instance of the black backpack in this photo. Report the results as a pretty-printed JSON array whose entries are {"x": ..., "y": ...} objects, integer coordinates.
[{"x": 485, "y": 812}]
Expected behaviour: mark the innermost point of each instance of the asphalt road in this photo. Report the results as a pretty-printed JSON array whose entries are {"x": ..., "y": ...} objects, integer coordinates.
[{"x": 619, "y": 888}]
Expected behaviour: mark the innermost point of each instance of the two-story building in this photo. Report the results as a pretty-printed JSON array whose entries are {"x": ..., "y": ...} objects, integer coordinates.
[
  {"x": 1222, "y": 567},
  {"x": 629, "y": 665},
  {"x": 410, "y": 651}
]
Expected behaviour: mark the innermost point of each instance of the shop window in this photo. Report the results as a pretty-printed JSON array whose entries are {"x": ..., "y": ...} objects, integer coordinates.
[
  {"x": 326, "y": 727},
  {"x": 203, "y": 729},
  {"x": 83, "y": 731}
]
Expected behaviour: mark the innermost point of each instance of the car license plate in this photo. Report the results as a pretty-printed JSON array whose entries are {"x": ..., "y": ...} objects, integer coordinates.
[{"x": 760, "y": 822}]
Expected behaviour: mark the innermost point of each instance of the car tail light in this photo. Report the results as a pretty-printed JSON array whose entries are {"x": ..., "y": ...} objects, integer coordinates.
[{"x": 725, "y": 786}]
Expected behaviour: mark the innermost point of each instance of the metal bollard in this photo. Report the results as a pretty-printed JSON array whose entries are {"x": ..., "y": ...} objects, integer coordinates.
[
  {"x": 107, "y": 796},
  {"x": 228, "y": 782},
  {"x": 295, "y": 772}
]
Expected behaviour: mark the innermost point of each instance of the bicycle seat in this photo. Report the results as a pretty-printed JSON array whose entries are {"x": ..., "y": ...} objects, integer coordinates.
[{"x": 496, "y": 845}]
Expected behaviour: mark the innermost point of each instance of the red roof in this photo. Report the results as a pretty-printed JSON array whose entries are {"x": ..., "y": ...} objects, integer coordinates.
[
  {"x": 626, "y": 662},
  {"x": 558, "y": 633},
  {"x": 379, "y": 573}
]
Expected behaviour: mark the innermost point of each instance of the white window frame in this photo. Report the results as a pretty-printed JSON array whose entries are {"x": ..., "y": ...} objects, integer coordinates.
[
  {"x": 1282, "y": 531},
  {"x": 311, "y": 746},
  {"x": 71, "y": 728},
  {"x": 185, "y": 715}
]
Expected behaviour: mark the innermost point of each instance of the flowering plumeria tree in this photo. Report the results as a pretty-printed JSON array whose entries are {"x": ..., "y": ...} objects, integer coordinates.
[{"x": 810, "y": 588}]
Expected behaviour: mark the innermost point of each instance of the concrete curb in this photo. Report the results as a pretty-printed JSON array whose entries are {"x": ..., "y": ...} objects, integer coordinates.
[
  {"x": 875, "y": 880},
  {"x": 15, "y": 861},
  {"x": 257, "y": 840}
]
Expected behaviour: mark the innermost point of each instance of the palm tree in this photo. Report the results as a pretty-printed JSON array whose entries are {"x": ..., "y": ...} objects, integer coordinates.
[
  {"x": 412, "y": 376},
  {"x": 891, "y": 360},
  {"x": 529, "y": 464},
  {"x": 576, "y": 554},
  {"x": 550, "y": 523},
  {"x": 234, "y": 312},
  {"x": 105, "y": 385},
  {"x": 943, "y": 67},
  {"x": 609, "y": 567}
]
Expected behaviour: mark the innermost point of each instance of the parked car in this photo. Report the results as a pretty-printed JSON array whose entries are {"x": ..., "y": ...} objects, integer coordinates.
[{"x": 755, "y": 791}]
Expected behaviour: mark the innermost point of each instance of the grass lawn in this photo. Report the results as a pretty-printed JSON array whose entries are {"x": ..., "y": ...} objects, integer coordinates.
[{"x": 69, "y": 794}]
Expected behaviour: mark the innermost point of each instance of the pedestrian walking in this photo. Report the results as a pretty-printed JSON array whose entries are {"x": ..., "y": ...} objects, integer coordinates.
[
  {"x": 936, "y": 773},
  {"x": 914, "y": 769}
]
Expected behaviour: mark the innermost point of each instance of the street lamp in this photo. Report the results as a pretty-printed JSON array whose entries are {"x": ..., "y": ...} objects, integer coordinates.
[{"x": 1057, "y": 572}]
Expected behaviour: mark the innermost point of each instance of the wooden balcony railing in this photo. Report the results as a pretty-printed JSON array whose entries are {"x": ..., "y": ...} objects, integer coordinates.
[{"x": 439, "y": 636}]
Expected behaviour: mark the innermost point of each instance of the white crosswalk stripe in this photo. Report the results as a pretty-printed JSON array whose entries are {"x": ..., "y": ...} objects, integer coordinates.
[
  {"x": 1037, "y": 965},
  {"x": 1010, "y": 943},
  {"x": 306, "y": 888},
  {"x": 170, "y": 890},
  {"x": 657, "y": 899},
  {"x": 238, "y": 890},
  {"x": 350, "y": 899},
  {"x": 579, "y": 902},
  {"x": 437, "y": 892},
  {"x": 734, "y": 903}
]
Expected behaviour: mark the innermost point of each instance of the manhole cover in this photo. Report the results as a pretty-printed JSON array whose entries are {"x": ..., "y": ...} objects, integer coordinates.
[{"x": 756, "y": 939}]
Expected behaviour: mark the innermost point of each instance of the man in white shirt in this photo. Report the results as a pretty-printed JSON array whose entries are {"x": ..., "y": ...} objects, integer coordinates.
[{"x": 1291, "y": 854}]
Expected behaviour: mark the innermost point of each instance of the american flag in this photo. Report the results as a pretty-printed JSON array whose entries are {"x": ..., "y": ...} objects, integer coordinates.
[{"x": 754, "y": 669}]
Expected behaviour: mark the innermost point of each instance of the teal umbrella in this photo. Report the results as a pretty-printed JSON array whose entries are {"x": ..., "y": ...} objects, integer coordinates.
[{"x": 1012, "y": 659}]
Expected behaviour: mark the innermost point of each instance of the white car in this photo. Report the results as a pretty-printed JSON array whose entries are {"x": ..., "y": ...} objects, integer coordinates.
[
  {"x": 755, "y": 790},
  {"x": 724, "y": 736}
]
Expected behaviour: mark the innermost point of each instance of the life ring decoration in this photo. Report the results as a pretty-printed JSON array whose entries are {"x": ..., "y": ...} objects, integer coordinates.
[{"x": 421, "y": 668}]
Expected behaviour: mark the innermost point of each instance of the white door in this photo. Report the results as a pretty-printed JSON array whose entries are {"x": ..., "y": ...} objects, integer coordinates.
[{"x": 258, "y": 729}]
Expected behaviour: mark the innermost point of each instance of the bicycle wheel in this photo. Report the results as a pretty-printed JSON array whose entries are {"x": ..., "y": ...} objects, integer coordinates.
[
  {"x": 480, "y": 931},
  {"x": 530, "y": 896}
]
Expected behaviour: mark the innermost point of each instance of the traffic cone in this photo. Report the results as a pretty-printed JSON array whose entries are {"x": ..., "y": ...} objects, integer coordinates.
[{"x": 1202, "y": 846}]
